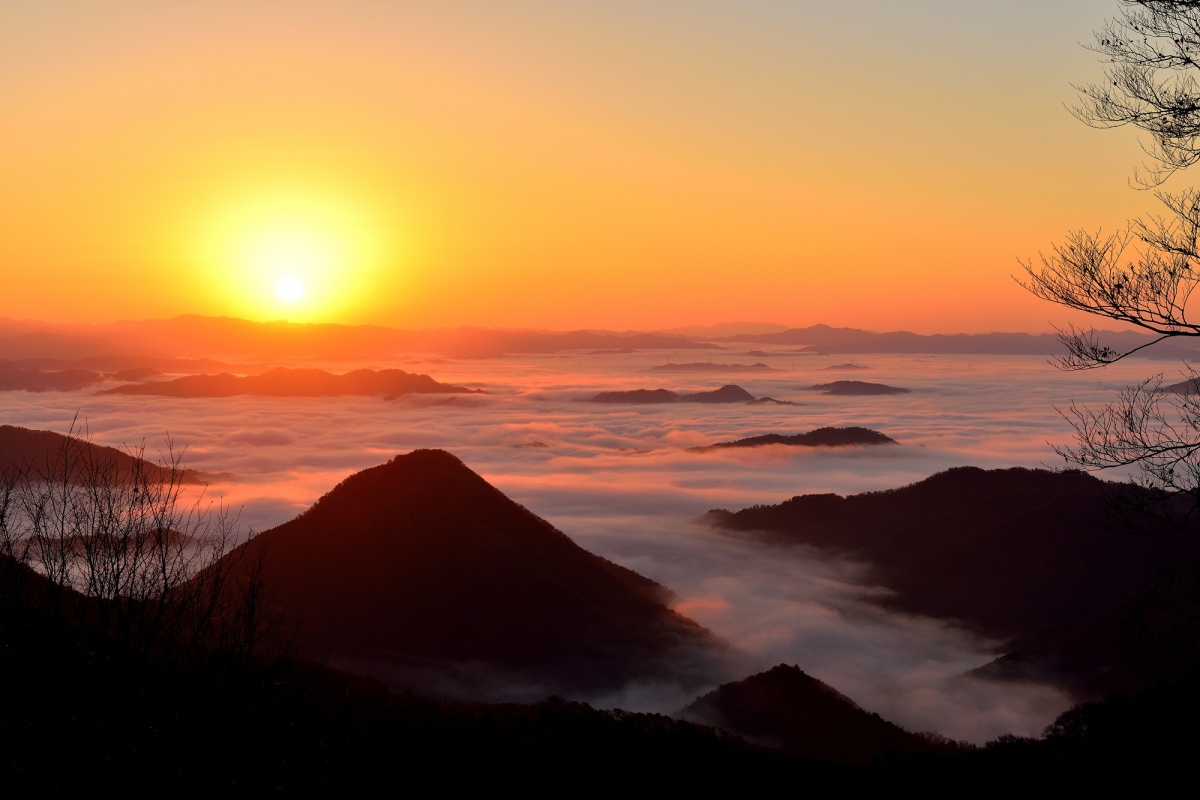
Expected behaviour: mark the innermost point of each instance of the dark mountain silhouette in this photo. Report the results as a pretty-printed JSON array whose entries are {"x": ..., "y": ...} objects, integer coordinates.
[
  {"x": 708, "y": 366},
  {"x": 845, "y": 368},
  {"x": 15, "y": 378},
  {"x": 789, "y": 710},
  {"x": 829, "y": 340},
  {"x": 730, "y": 393},
  {"x": 821, "y": 437},
  {"x": 420, "y": 573},
  {"x": 281, "y": 382},
  {"x": 77, "y": 703},
  {"x": 1019, "y": 555},
  {"x": 771, "y": 401},
  {"x": 41, "y": 451},
  {"x": 856, "y": 388}
]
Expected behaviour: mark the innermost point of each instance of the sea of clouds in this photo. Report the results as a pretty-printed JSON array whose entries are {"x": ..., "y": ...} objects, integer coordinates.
[{"x": 620, "y": 480}]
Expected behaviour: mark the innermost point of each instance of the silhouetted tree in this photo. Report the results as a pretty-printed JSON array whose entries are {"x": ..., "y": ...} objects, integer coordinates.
[
  {"x": 127, "y": 555},
  {"x": 1152, "y": 53},
  {"x": 1147, "y": 274}
]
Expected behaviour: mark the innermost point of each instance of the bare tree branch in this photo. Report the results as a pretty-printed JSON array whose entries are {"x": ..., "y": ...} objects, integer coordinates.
[{"x": 152, "y": 565}]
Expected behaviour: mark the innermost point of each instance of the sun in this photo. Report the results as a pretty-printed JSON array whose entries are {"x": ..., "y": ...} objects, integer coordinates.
[
  {"x": 289, "y": 288},
  {"x": 299, "y": 256}
]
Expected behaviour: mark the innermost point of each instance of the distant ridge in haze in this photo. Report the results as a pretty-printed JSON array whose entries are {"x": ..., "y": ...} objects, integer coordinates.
[
  {"x": 830, "y": 340},
  {"x": 422, "y": 574},
  {"x": 243, "y": 341},
  {"x": 390, "y": 383},
  {"x": 197, "y": 336}
]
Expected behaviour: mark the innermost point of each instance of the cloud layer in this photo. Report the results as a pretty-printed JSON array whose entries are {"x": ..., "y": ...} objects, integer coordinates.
[{"x": 620, "y": 481}]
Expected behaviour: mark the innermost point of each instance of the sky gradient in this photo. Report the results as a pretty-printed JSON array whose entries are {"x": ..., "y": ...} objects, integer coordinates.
[{"x": 554, "y": 165}]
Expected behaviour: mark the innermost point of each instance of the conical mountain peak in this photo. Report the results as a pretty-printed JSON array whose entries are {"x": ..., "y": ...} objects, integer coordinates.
[{"x": 419, "y": 562}]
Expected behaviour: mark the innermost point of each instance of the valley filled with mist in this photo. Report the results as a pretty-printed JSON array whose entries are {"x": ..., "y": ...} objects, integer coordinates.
[{"x": 632, "y": 481}]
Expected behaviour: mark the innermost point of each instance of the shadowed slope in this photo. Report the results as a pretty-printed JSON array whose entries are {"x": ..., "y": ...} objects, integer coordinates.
[
  {"x": 787, "y": 709},
  {"x": 420, "y": 566}
]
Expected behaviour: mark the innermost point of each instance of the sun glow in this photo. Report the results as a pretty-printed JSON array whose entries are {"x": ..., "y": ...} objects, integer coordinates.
[{"x": 301, "y": 256}]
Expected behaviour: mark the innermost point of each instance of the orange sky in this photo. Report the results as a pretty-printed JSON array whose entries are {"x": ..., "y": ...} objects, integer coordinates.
[{"x": 548, "y": 164}]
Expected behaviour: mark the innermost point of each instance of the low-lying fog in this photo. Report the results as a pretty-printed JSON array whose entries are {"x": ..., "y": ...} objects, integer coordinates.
[{"x": 620, "y": 481}]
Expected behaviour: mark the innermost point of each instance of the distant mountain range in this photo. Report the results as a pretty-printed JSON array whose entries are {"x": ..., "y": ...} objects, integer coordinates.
[
  {"x": 829, "y": 340},
  {"x": 389, "y": 383},
  {"x": 113, "y": 346},
  {"x": 1023, "y": 556},
  {"x": 240, "y": 340},
  {"x": 421, "y": 574}
]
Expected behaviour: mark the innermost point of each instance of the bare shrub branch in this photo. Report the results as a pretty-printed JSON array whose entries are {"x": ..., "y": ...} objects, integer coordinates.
[{"x": 133, "y": 556}]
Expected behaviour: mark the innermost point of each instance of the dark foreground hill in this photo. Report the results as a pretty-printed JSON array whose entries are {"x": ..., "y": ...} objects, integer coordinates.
[
  {"x": 794, "y": 712},
  {"x": 85, "y": 717},
  {"x": 281, "y": 382},
  {"x": 422, "y": 574},
  {"x": 92, "y": 715},
  {"x": 90, "y": 711},
  {"x": 820, "y": 437},
  {"x": 1021, "y": 555}
]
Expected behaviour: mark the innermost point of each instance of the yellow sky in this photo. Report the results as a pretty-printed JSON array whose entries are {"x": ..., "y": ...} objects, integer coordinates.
[{"x": 548, "y": 164}]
